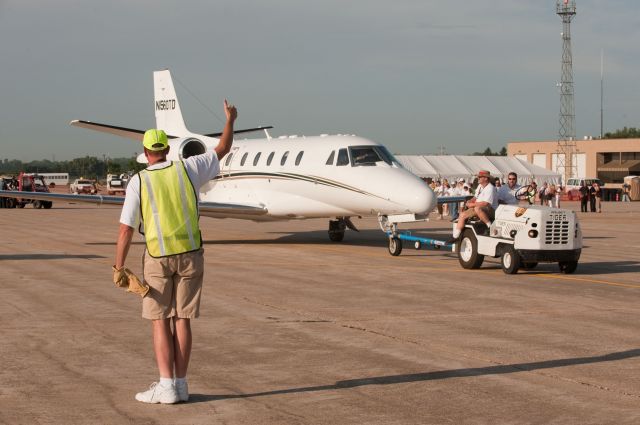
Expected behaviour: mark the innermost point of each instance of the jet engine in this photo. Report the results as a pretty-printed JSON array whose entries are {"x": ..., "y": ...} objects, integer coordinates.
[{"x": 180, "y": 149}]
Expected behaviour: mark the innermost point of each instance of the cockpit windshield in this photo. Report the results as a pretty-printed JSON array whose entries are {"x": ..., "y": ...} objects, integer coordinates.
[
  {"x": 370, "y": 155},
  {"x": 388, "y": 156}
]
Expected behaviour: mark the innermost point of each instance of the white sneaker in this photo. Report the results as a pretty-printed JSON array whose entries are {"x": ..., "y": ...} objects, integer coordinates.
[
  {"x": 183, "y": 391},
  {"x": 158, "y": 394}
]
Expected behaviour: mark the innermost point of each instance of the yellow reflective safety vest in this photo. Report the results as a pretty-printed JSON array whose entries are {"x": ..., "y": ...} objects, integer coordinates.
[{"x": 169, "y": 208}]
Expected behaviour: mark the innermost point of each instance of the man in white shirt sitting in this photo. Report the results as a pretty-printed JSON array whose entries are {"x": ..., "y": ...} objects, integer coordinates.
[
  {"x": 507, "y": 193},
  {"x": 482, "y": 205}
]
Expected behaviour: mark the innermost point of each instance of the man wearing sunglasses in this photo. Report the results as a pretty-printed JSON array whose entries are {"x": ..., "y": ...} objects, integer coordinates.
[{"x": 507, "y": 193}]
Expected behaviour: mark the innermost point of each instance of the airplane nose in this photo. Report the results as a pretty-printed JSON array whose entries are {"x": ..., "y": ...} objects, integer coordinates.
[{"x": 420, "y": 199}]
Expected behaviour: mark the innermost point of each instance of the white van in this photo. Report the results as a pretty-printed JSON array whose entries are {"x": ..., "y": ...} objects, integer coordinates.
[{"x": 572, "y": 189}]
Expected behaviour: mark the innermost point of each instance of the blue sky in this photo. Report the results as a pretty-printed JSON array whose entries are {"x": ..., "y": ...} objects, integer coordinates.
[{"x": 411, "y": 74}]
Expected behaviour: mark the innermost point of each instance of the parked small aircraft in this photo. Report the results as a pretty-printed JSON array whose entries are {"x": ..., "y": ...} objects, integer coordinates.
[{"x": 284, "y": 178}]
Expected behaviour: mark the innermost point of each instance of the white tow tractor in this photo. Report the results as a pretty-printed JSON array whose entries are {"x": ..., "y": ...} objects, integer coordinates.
[{"x": 522, "y": 237}]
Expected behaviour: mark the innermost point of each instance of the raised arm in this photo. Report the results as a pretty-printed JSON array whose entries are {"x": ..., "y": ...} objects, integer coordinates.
[{"x": 226, "y": 140}]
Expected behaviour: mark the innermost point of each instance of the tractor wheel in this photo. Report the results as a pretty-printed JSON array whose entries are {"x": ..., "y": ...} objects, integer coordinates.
[
  {"x": 510, "y": 260},
  {"x": 468, "y": 251},
  {"x": 529, "y": 266},
  {"x": 568, "y": 267}
]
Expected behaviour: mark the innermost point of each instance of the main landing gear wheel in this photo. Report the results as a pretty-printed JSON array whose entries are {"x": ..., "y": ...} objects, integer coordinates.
[
  {"x": 510, "y": 260},
  {"x": 395, "y": 246},
  {"x": 336, "y": 236},
  {"x": 568, "y": 267},
  {"x": 468, "y": 251},
  {"x": 336, "y": 230}
]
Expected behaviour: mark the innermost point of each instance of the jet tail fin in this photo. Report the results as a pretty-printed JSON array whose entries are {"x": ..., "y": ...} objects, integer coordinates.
[{"x": 168, "y": 114}]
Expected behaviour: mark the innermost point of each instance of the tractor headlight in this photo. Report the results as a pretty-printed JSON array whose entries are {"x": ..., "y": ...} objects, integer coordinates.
[{"x": 533, "y": 233}]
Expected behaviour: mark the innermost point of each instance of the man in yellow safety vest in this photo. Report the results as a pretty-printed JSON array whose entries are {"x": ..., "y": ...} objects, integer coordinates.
[{"x": 163, "y": 203}]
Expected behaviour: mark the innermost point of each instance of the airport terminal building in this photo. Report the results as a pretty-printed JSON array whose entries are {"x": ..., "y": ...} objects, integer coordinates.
[{"x": 610, "y": 160}]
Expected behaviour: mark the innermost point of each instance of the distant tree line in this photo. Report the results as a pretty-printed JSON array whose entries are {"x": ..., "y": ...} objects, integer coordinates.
[
  {"x": 88, "y": 167},
  {"x": 625, "y": 133},
  {"x": 489, "y": 152}
]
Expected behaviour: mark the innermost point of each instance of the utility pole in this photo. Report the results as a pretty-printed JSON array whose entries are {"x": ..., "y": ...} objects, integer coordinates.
[
  {"x": 601, "y": 94},
  {"x": 566, "y": 148}
]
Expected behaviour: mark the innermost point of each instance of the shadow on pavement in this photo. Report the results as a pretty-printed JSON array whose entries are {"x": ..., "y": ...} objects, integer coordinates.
[
  {"x": 47, "y": 256},
  {"x": 430, "y": 376},
  {"x": 316, "y": 237},
  {"x": 608, "y": 267}
]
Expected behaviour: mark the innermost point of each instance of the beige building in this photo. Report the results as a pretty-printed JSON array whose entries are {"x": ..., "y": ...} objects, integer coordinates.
[{"x": 610, "y": 160}]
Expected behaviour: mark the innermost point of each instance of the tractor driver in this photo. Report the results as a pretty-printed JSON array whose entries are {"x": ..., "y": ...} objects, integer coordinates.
[
  {"x": 482, "y": 205},
  {"x": 507, "y": 193}
]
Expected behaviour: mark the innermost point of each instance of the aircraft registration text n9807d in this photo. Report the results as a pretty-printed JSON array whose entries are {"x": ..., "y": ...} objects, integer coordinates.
[{"x": 165, "y": 105}]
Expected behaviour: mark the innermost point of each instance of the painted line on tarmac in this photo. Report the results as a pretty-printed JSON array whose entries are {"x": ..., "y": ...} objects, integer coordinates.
[
  {"x": 561, "y": 277},
  {"x": 439, "y": 260},
  {"x": 538, "y": 275},
  {"x": 602, "y": 282}
]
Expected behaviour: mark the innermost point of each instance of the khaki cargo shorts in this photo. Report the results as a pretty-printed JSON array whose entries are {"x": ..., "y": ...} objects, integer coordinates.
[
  {"x": 471, "y": 212},
  {"x": 176, "y": 285}
]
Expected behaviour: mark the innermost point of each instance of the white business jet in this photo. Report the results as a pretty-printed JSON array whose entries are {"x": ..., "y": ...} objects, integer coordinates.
[{"x": 284, "y": 178}]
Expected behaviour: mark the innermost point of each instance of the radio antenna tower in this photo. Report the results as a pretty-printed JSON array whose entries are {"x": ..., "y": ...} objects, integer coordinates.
[{"x": 566, "y": 150}]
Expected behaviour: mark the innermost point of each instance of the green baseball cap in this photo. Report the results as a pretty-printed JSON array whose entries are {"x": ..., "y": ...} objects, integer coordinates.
[{"x": 155, "y": 140}]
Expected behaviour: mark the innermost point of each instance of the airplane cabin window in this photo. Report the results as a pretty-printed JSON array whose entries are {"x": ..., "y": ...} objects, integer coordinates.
[
  {"x": 228, "y": 161},
  {"x": 343, "y": 157},
  {"x": 299, "y": 157},
  {"x": 256, "y": 159},
  {"x": 330, "y": 159},
  {"x": 244, "y": 158},
  {"x": 270, "y": 158},
  {"x": 284, "y": 158}
]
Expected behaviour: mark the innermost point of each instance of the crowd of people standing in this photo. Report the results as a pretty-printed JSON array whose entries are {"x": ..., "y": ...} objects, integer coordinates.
[{"x": 548, "y": 194}]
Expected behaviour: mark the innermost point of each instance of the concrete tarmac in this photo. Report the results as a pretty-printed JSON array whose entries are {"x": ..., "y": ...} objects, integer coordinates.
[{"x": 298, "y": 330}]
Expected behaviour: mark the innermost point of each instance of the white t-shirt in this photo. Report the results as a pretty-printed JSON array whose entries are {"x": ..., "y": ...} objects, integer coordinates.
[
  {"x": 487, "y": 194},
  {"x": 507, "y": 195},
  {"x": 200, "y": 169}
]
